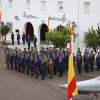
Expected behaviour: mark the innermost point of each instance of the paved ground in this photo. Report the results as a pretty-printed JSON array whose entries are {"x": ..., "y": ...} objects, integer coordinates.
[{"x": 18, "y": 87}]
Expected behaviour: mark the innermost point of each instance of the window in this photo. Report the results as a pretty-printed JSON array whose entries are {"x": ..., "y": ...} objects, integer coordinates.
[
  {"x": 86, "y": 7},
  {"x": 10, "y": 3},
  {"x": 2, "y": 23},
  {"x": 43, "y": 5},
  {"x": 60, "y": 5},
  {"x": 0, "y": 3},
  {"x": 10, "y": 26},
  {"x": 27, "y": 4}
]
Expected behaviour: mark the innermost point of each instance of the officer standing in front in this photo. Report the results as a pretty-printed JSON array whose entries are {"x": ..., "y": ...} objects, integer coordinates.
[
  {"x": 35, "y": 41},
  {"x": 18, "y": 38},
  {"x": 23, "y": 38},
  {"x": 28, "y": 41},
  {"x": 12, "y": 38}
]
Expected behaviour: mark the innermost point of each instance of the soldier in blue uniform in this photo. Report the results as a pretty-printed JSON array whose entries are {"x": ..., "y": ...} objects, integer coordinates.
[
  {"x": 79, "y": 63},
  {"x": 42, "y": 67},
  {"x": 15, "y": 59},
  {"x": 35, "y": 41},
  {"x": 39, "y": 62},
  {"x": 92, "y": 58},
  {"x": 18, "y": 62},
  {"x": 60, "y": 66},
  {"x": 22, "y": 62},
  {"x": 11, "y": 60},
  {"x": 55, "y": 64},
  {"x": 28, "y": 41},
  {"x": 98, "y": 61},
  {"x": 87, "y": 62},
  {"x": 23, "y": 38},
  {"x": 32, "y": 65},
  {"x": 12, "y": 38},
  {"x": 27, "y": 63},
  {"x": 18, "y": 38},
  {"x": 36, "y": 67}
]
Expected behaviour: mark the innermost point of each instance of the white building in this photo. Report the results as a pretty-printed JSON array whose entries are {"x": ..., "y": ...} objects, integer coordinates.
[{"x": 85, "y": 13}]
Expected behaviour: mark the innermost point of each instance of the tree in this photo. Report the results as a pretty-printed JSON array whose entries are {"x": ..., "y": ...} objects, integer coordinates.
[
  {"x": 5, "y": 29},
  {"x": 92, "y": 38},
  {"x": 61, "y": 36}
]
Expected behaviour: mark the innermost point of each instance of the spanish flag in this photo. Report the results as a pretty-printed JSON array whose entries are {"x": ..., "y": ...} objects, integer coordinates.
[
  {"x": 48, "y": 22},
  {"x": 0, "y": 15},
  {"x": 72, "y": 87}
]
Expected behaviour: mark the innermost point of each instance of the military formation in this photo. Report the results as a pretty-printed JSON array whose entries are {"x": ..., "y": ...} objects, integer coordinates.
[{"x": 49, "y": 61}]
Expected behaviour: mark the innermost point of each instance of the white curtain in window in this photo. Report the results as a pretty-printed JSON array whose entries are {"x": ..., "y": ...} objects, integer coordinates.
[
  {"x": 87, "y": 6},
  {"x": 27, "y": 3}
]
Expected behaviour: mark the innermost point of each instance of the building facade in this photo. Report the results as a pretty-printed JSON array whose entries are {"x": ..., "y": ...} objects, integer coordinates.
[{"x": 31, "y": 16}]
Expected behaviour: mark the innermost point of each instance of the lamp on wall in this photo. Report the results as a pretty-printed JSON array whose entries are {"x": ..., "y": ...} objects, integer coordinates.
[{"x": 16, "y": 17}]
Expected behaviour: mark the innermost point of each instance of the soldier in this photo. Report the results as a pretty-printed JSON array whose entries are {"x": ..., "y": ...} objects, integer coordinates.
[
  {"x": 51, "y": 68},
  {"x": 23, "y": 38},
  {"x": 15, "y": 59},
  {"x": 55, "y": 64},
  {"x": 92, "y": 58},
  {"x": 28, "y": 41},
  {"x": 7, "y": 58},
  {"x": 46, "y": 69},
  {"x": 39, "y": 62},
  {"x": 87, "y": 61},
  {"x": 79, "y": 63},
  {"x": 11, "y": 60},
  {"x": 27, "y": 62},
  {"x": 36, "y": 67},
  {"x": 98, "y": 61},
  {"x": 18, "y": 38},
  {"x": 60, "y": 66},
  {"x": 35, "y": 41},
  {"x": 42, "y": 67},
  {"x": 12, "y": 38},
  {"x": 22, "y": 62},
  {"x": 32, "y": 65},
  {"x": 66, "y": 59},
  {"x": 18, "y": 62},
  {"x": 63, "y": 59}
]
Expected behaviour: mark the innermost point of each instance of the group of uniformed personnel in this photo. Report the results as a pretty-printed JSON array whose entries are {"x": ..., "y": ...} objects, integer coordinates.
[
  {"x": 48, "y": 61},
  {"x": 23, "y": 39}
]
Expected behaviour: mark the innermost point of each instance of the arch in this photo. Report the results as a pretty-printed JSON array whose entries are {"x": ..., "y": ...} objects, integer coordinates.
[{"x": 29, "y": 30}]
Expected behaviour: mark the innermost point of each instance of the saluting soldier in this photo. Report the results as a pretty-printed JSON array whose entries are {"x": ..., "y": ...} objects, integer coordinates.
[
  {"x": 23, "y": 38},
  {"x": 51, "y": 68},
  {"x": 18, "y": 38},
  {"x": 7, "y": 58}
]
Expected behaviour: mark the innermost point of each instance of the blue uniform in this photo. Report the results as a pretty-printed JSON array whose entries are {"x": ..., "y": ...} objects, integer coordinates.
[
  {"x": 98, "y": 62},
  {"x": 12, "y": 38},
  {"x": 35, "y": 41},
  {"x": 36, "y": 67},
  {"x": 18, "y": 38},
  {"x": 42, "y": 67},
  {"x": 66, "y": 60},
  {"x": 32, "y": 66},
  {"x": 23, "y": 38},
  {"x": 18, "y": 62},
  {"x": 22, "y": 63},
  {"x": 87, "y": 61},
  {"x": 60, "y": 67},
  {"x": 55, "y": 65},
  {"x": 92, "y": 58},
  {"x": 11, "y": 60},
  {"x": 28, "y": 41},
  {"x": 63, "y": 59},
  {"x": 15, "y": 60},
  {"x": 79, "y": 64}
]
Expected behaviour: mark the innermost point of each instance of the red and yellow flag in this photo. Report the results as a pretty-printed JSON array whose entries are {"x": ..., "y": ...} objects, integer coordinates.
[
  {"x": 72, "y": 87},
  {"x": 0, "y": 15},
  {"x": 48, "y": 22}
]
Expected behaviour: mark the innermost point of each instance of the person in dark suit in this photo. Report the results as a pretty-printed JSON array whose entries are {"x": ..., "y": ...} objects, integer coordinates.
[
  {"x": 23, "y": 38},
  {"x": 35, "y": 41},
  {"x": 98, "y": 61},
  {"x": 92, "y": 58},
  {"x": 28, "y": 41},
  {"x": 12, "y": 38},
  {"x": 18, "y": 38},
  {"x": 42, "y": 67}
]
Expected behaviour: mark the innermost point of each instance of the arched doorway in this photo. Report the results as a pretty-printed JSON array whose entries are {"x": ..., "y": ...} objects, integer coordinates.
[
  {"x": 43, "y": 30},
  {"x": 29, "y": 30}
]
